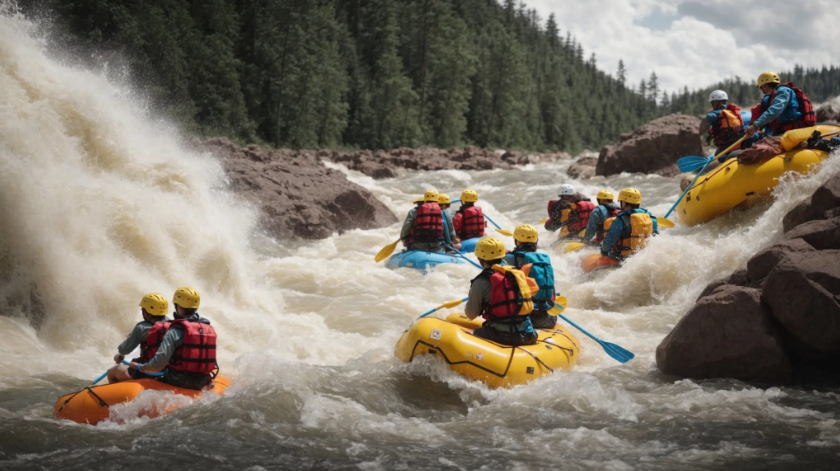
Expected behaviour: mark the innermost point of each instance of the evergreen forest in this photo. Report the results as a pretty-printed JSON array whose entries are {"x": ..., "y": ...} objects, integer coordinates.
[{"x": 376, "y": 73}]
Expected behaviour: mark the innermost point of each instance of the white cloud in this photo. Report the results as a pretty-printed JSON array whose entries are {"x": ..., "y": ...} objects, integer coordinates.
[{"x": 697, "y": 43}]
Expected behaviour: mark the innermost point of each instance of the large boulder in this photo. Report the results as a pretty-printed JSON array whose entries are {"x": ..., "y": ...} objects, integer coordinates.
[
  {"x": 653, "y": 148},
  {"x": 828, "y": 112},
  {"x": 583, "y": 168},
  {"x": 823, "y": 201},
  {"x": 298, "y": 195},
  {"x": 802, "y": 294},
  {"x": 727, "y": 334},
  {"x": 760, "y": 265},
  {"x": 822, "y": 234}
]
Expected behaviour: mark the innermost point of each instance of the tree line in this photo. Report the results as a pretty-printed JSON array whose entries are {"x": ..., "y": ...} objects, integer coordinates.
[{"x": 369, "y": 73}]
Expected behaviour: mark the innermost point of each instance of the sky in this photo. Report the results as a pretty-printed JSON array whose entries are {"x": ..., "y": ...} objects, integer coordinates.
[{"x": 696, "y": 43}]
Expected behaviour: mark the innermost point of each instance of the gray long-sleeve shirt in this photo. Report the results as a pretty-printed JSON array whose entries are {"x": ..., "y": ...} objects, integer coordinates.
[
  {"x": 173, "y": 339},
  {"x": 480, "y": 295},
  {"x": 136, "y": 337}
]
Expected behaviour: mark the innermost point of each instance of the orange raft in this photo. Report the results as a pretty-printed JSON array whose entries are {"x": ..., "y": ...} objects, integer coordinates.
[
  {"x": 92, "y": 404},
  {"x": 596, "y": 262}
]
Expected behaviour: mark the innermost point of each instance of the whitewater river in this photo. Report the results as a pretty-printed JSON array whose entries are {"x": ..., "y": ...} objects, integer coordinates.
[{"x": 101, "y": 203}]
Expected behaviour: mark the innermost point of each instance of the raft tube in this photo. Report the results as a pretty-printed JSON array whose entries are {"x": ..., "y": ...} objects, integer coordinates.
[
  {"x": 478, "y": 359},
  {"x": 733, "y": 185},
  {"x": 597, "y": 262},
  {"x": 468, "y": 246},
  {"x": 91, "y": 404},
  {"x": 420, "y": 259}
]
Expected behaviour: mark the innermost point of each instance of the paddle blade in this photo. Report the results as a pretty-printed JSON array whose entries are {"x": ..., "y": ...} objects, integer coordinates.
[
  {"x": 559, "y": 306},
  {"x": 386, "y": 251},
  {"x": 662, "y": 222},
  {"x": 452, "y": 304},
  {"x": 618, "y": 353},
  {"x": 504, "y": 232},
  {"x": 542, "y": 221},
  {"x": 693, "y": 162},
  {"x": 573, "y": 246}
]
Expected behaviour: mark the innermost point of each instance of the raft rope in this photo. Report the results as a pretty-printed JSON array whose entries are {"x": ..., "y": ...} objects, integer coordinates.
[{"x": 102, "y": 402}]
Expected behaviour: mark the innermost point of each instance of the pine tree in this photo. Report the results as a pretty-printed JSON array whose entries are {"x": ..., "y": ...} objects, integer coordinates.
[{"x": 621, "y": 73}]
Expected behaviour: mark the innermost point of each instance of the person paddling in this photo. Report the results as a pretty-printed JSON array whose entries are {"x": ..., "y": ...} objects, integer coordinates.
[
  {"x": 186, "y": 347},
  {"x": 423, "y": 227},
  {"x": 629, "y": 230},
  {"x": 537, "y": 266},
  {"x": 502, "y": 296},
  {"x": 153, "y": 308},
  {"x": 726, "y": 125},
  {"x": 570, "y": 213},
  {"x": 469, "y": 219},
  {"x": 606, "y": 209},
  {"x": 449, "y": 235}
]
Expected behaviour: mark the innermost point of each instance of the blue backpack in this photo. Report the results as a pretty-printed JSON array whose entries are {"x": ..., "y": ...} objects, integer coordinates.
[{"x": 542, "y": 272}]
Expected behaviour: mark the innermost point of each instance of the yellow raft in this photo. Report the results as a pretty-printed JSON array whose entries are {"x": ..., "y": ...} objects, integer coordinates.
[
  {"x": 479, "y": 359},
  {"x": 92, "y": 405},
  {"x": 733, "y": 185}
]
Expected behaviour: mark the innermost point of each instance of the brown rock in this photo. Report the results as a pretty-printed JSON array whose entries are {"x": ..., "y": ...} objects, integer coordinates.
[
  {"x": 653, "y": 148},
  {"x": 583, "y": 168},
  {"x": 825, "y": 198},
  {"x": 801, "y": 293},
  {"x": 764, "y": 261},
  {"x": 298, "y": 195},
  {"x": 821, "y": 234},
  {"x": 829, "y": 112},
  {"x": 727, "y": 334}
]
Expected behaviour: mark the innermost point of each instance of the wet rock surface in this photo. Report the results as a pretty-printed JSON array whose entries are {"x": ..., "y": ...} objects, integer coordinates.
[
  {"x": 781, "y": 309},
  {"x": 297, "y": 195},
  {"x": 653, "y": 148},
  {"x": 583, "y": 168}
]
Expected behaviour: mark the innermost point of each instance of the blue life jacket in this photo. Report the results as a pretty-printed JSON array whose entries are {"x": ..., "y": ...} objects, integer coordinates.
[{"x": 542, "y": 272}]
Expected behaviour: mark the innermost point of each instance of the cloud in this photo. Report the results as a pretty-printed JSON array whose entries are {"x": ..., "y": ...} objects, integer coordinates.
[{"x": 696, "y": 43}]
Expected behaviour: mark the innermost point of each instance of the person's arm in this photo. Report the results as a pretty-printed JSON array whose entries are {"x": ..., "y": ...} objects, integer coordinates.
[
  {"x": 596, "y": 221},
  {"x": 713, "y": 117},
  {"x": 137, "y": 335},
  {"x": 612, "y": 236},
  {"x": 409, "y": 221},
  {"x": 479, "y": 291},
  {"x": 775, "y": 109},
  {"x": 655, "y": 224},
  {"x": 554, "y": 217},
  {"x": 173, "y": 339}
]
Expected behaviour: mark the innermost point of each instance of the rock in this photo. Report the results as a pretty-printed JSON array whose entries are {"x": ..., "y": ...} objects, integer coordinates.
[
  {"x": 764, "y": 261},
  {"x": 583, "y": 168},
  {"x": 298, "y": 195},
  {"x": 828, "y": 112},
  {"x": 653, "y": 148},
  {"x": 727, "y": 334},
  {"x": 821, "y": 234},
  {"x": 802, "y": 294},
  {"x": 825, "y": 198}
]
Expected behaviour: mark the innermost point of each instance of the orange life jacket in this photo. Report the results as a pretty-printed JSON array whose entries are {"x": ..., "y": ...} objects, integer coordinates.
[
  {"x": 198, "y": 352},
  {"x": 428, "y": 225},
  {"x": 728, "y": 128},
  {"x": 469, "y": 222},
  {"x": 808, "y": 118},
  {"x": 638, "y": 227}
]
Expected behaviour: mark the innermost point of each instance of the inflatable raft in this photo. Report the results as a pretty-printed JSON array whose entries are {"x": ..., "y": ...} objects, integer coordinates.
[
  {"x": 597, "y": 262},
  {"x": 420, "y": 259},
  {"x": 468, "y": 246},
  {"x": 733, "y": 185},
  {"x": 92, "y": 404},
  {"x": 494, "y": 364}
]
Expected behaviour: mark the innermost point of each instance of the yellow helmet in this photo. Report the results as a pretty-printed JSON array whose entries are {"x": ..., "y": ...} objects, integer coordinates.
[
  {"x": 186, "y": 297},
  {"x": 430, "y": 195},
  {"x": 604, "y": 195},
  {"x": 490, "y": 248},
  {"x": 419, "y": 200},
  {"x": 444, "y": 199},
  {"x": 469, "y": 196},
  {"x": 525, "y": 233},
  {"x": 155, "y": 304},
  {"x": 630, "y": 195},
  {"x": 768, "y": 77}
]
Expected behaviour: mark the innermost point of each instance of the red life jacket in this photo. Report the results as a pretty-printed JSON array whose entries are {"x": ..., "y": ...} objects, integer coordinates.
[
  {"x": 612, "y": 211},
  {"x": 728, "y": 128},
  {"x": 149, "y": 349},
  {"x": 198, "y": 352},
  {"x": 579, "y": 216},
  {"x": 508, "y": 304},
  {"x": 469, "y": 222},
  {"x": 428, "y": 225},
  {"x": 808, "y": 119}
]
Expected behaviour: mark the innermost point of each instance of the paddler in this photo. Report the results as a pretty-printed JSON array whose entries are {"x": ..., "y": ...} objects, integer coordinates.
[
  {"x": 570, "y": 213},
  {"x": 423, "y": 227},
  {"x": 469, "y": 219},
  {"x": 153, "y": 308},
  {"x": 449, "y": 235},
  {"x": 784, "y": 107},
  {"x": 726, "y": 125},
  {"x": 525, "y": 240},
  {"x": 499, "y": 298},
  {"x": 629, "y": 230},
  {"x": 186, "y": 347},
  {"x": 606, "y": 209}
]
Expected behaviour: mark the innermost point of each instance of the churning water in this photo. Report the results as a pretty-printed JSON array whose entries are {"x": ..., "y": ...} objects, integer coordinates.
[{"x": 100, "y": 204}]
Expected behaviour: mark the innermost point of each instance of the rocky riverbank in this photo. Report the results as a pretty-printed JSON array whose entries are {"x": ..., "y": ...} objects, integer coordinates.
[{"x": 777, "y": 314}]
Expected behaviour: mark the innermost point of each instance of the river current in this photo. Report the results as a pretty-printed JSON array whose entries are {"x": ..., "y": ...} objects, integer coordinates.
[{"x": 102, "y": 202}]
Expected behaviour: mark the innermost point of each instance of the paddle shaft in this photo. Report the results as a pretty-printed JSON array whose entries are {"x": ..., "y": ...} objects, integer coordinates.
[
  {"x": 438, "y": 308},
  {"x": 458, "y": 252},
  {"x": 608, "y": 347}
]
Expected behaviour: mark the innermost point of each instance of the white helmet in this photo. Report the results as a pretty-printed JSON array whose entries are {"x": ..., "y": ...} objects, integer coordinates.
[
  {"x": 566, "y": 189},
  {"x": 718, "y": 95}
]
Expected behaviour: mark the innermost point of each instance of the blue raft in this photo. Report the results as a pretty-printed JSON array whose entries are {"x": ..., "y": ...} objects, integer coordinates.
[
  {"x": 420, "y": 259},
  {"x": 468, "y": 246}
]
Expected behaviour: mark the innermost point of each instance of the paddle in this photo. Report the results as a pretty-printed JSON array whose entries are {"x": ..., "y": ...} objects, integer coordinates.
[
  {"x": 706, "y": 164},
  {"x": 101, "y": 377},
  {"x": 498, "y": 229},
  {"x": 693, "y": 162},
  {"x": 510, "y": 234},
  {"x": 559, "y": 306},
  {"x": 448, "y": 305},
  {"x": 386, "y": 251},
  {"x": 613, "y": 350},
  {"x": 573, "y": 247},
  {"x": 458, "y": 253}
]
